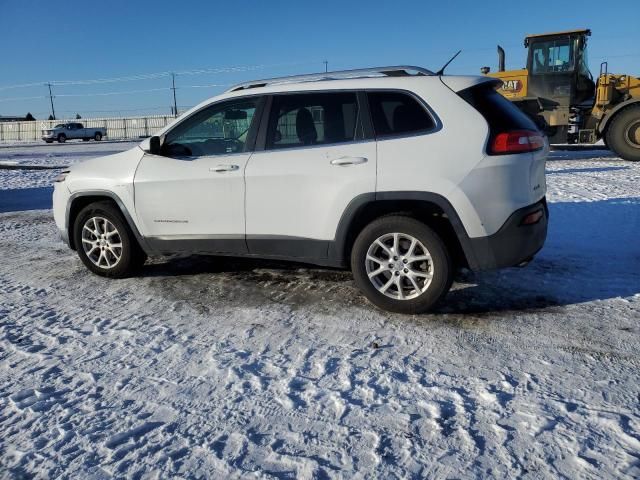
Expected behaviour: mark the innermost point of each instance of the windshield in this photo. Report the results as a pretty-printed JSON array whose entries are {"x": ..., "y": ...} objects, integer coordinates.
[
  {"x": 583, "y": 66},
  {"x": 60, "y": 125},
  {"x": 552, "y": 56}
]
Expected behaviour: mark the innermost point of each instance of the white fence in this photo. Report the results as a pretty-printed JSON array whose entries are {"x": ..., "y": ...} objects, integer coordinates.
[{"x": 117, "y": 128}]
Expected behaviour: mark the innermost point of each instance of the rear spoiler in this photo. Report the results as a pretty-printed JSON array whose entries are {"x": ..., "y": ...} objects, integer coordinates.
[{"x": 459, "y": 83}]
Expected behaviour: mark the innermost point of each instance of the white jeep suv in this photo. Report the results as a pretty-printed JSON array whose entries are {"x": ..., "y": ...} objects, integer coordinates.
[{"x": 399, "y": 173}]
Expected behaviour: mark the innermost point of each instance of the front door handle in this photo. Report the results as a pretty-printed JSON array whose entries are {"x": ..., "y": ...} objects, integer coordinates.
[
  {"x": 342, "y": 161},
  {"x": 224, "y": 168}
]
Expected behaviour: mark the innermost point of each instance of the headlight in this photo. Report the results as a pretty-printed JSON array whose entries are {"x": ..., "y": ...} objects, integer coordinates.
[{"x": 62, "y": 176}]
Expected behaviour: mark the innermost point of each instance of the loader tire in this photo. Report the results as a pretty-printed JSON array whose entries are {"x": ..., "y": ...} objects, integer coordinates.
[{"x": 623, "y": 134}]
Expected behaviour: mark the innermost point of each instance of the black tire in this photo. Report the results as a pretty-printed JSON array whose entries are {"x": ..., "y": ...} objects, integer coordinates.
[
  {"x": 62, "y": 138},
  {"x": 49, "y": 141},
  {"x": 97, "y": 137},
  {"x": 623, "y": 133},
  {"x": 442, "y": 267},
  {"x": 132, "y": 256}
]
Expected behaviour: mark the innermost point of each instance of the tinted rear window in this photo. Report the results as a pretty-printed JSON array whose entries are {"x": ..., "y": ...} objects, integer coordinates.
[
  {"x": 307, "y": 119},
  {"x": 500, "y": 113},
  {"x": 396, "y": 113}
]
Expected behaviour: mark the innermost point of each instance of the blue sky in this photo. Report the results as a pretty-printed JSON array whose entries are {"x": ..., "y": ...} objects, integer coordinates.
[{"x": 57, "y": 41}]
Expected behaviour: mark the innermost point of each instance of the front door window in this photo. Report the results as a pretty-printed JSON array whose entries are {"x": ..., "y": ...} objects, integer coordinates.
[{"x": 221, "y": 129}]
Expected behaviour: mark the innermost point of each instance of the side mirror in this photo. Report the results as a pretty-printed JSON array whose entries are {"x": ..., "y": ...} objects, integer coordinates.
[{"x": 154, "y": 145}]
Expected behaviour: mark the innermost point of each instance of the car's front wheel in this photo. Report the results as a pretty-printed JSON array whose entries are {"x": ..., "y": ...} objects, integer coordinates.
[
  {"x": 401, "y": 264},
  {"x": 104, "y": 241},
  {"x": 62, "y": 138}
]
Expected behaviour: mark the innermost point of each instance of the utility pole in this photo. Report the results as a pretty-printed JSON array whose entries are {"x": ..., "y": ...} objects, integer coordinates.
[
  {"x": 326, "y": 65},
  {"x": 173, "y": 87},
  {"x": 53, "y": 112}
]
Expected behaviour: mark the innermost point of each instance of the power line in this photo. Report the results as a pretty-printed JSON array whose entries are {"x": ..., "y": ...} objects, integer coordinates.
[
  {"x": 617, "y": 56},
  {"x": 11, "y": 99},
  {"x": 22, "y": 85},
  {"x": 155, "y": 75},
  {"x": 208, "y": 86},
  {"x": 104, "y": 94}
]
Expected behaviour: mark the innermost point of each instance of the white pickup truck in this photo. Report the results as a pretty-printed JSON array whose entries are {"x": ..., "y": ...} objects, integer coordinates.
[{"x": 68, "y": 131}]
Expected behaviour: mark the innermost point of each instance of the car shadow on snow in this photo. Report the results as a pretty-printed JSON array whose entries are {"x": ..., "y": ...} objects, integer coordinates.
[
  {"x": 592, "y": 253},
  {"x": 581, "y": 154},
  {"x": 586, "y": 170},
  {"x": 21, "y": 199}
]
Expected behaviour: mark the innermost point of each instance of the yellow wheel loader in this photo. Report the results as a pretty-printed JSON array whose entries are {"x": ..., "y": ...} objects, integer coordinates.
[{"x": 559, "y": 92}]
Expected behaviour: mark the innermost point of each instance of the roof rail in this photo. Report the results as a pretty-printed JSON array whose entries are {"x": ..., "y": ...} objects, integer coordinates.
[{"x": 393, "y": 71}]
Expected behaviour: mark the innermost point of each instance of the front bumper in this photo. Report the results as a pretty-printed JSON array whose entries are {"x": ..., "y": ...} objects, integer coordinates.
[
  {"x": 64, "y": 236},
  {"x": 60, "y": 200},
  {"x": 513, "y": 244}
]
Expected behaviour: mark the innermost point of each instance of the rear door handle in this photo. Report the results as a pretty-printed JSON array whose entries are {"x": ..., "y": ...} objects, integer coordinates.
[
  {"x": 224, "y": 168},
  {"x": 349, "y": 161}
]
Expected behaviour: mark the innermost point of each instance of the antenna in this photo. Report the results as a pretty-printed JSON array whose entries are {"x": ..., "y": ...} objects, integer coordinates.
[{"x": 441, "y": 71}]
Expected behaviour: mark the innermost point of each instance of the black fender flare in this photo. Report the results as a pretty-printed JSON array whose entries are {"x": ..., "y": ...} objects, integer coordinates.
[
  {"x": 337, "y": 247},
  {"x": 112, "y": 196}
]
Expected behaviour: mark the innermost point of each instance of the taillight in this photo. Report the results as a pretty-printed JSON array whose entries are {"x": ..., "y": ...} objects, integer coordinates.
[
  {"x": 518, "y": 141},
  {"x": 532, "y": 218}
]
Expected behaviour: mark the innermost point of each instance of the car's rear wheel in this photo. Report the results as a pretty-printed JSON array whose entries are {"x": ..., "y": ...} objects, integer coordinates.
[
  {"x": 62, "y": 138},
  {"x": 104, "y": 241},
  {"x": 401, "y": 264},
  {"x": 97, "y": 137}
]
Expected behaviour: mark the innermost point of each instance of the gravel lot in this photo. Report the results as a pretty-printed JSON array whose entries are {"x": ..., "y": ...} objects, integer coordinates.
[{"x": 210, "y": 367}]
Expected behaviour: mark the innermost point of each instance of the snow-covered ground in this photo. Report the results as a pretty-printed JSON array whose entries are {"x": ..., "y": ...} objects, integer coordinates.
[{"x": 220, "y": 368}]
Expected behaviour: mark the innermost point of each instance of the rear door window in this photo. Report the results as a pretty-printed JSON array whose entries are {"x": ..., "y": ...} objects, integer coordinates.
[
  {"x": 398, "y": 113},
  {"x": 307, "y": 119}
]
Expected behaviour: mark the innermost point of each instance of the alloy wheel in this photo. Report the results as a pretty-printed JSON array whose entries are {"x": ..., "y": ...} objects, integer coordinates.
[
  {"x": 399, "y": 266},
  {"x": 101, "y": 242}
]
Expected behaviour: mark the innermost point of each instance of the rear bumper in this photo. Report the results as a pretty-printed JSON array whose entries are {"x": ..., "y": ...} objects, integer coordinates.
[{"x": 513, "y": 244}]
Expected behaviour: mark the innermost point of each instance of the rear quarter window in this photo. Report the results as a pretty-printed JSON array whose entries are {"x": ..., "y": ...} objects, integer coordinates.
[{"x": 398, "y": 113}]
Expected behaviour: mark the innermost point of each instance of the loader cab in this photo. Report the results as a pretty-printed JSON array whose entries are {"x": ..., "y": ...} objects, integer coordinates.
[{"x": 558, "y": 67}]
